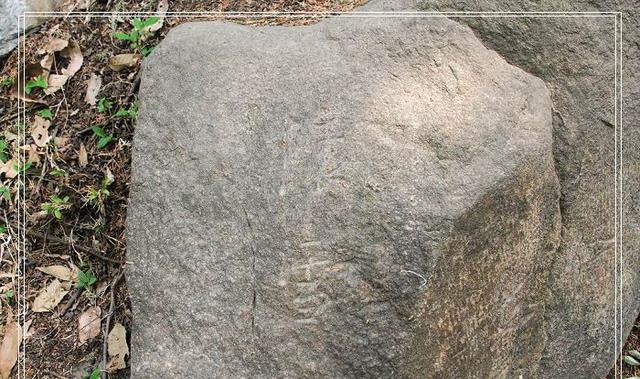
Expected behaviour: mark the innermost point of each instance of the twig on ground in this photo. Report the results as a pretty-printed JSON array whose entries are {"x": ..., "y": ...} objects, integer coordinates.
[
  {"x": 105, "y": 332},
  {"x": 63, "y": 241},
  {"x": 72, "y": 301}
]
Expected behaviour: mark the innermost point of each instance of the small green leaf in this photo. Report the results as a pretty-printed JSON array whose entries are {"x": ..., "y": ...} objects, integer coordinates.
[
  {"x": 7, "y": 82},
  {"x": 122, "y": 36},
  {"x": 98, "y": 131},
  {"x": 630, "y": 361},
  {"x": 39, "y": 81},
  {"x": 104, "y": 141},
  {"x": 134, "y": 36},
  {"x": 145, "y": 51},
  {"x": 45, "y": 113},
  {"x": 24, "y": 168},
  {"x": 60, "y": 200},
  {"x": 150, "y": 21},
  {"x": 3, "y": 229},
  {"x": 9, "y": 295},
  {"x": 132, "y": 112},
  {"x": 634, "y": 353},
  {"x": 137, "y": 23},
  {"x": 95, "y": 374},
  {"x": 104, "y": 105},
  {"x": 58, "y": 172},
  {"x": 86, "y": 279},
  {"x": 122, "y": 113},
  {"x": 6, "y": 193},
  {"x": 3, "y": 150}
]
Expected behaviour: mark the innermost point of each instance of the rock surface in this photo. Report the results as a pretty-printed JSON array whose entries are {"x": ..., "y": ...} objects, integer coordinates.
[
  {"x": 576, "y": 58},
  {"x": 11, "y": 10},
  {"x": 350, "y": 199}
]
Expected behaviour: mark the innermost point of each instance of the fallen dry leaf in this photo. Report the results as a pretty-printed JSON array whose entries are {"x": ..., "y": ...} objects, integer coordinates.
[
  {"x": 40, "y": 131},
  {"x": 93, "y": 88},
  {"x": 60, "y": 141},
  {"x": 46, "y": 63},
  {"x": 40, "y": 136},
  {"x": 121, "y": 61},
  {"x": 66, "y": 49},
  {"x": 60, "y": 272},
  {"x": 82, "y": 156},
  {"x": 55, "y": 83},
  {"x": 50, "y": 296},
  {"x": 26, "y": 329},
  {"x": 117, "y": 348},
  {"x": 55, "y": 44},
  {"x": 74, "y": 54},
  {"x": 9, "y": 348},
  {"x": 9, "y": 168},
  {"x": 34, "y": 153},
  {"x": 89, "y": 324},
  {"x": 39, "y": 121}
]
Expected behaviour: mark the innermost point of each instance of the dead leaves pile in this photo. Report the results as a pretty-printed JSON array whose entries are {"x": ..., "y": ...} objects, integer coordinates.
[{"x": 52, "y": 81}]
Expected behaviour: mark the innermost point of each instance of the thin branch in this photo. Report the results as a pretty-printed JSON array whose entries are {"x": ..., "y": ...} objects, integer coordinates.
[
  {"x": 105, "y": 347},
  {"x": 64, "y": 241}
]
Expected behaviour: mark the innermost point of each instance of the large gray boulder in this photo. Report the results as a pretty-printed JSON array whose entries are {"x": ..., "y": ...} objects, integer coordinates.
[
  {"x": 357, "y": 198},
  {"x": 576, "y": 58}
]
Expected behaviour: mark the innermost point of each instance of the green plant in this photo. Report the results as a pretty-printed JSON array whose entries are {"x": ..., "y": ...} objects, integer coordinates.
[
  {"x": 3, "y": 229},
  {"x": 104, "y": 105},
  {"x": 103, "y": 137},
  {"x": 45, "y": 113},
  {"x": 8, "y": 296},
  {"x": 58, "y": 172},
  {"x": 39, "y": 82},
  {"x": 132, "y": 112},
  {"x": 7, "y": 81},
  {"x": 98, "y": 195},
  {"x": 140, "y": 29},
  {"x": 95, "y": 374},
  {"x": 3, "y": 150},
  {"x": 5, "y": 193},
  {"x": 22, "y": 168},
  {"x": 146, "y": 50},
  {"x": 56, "y": 205},
  {"x": 86, "y": 279}
]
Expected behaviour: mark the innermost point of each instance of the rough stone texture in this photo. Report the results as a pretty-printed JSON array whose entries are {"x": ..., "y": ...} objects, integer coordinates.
[
  {"x": 576, "y": 58},
  {"x": 10, "y": 10},
  {"x": 292, "y": 187}
]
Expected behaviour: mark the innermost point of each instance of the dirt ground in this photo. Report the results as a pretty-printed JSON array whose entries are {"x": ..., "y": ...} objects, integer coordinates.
[{"x": 76, "y": 182}]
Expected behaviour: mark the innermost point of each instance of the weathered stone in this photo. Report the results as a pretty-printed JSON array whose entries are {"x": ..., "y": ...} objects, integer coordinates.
[
  {"x": 11, "y": 10},
  {"x": 357, "y": 198},
  {"x": 576, "y": 57}
]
